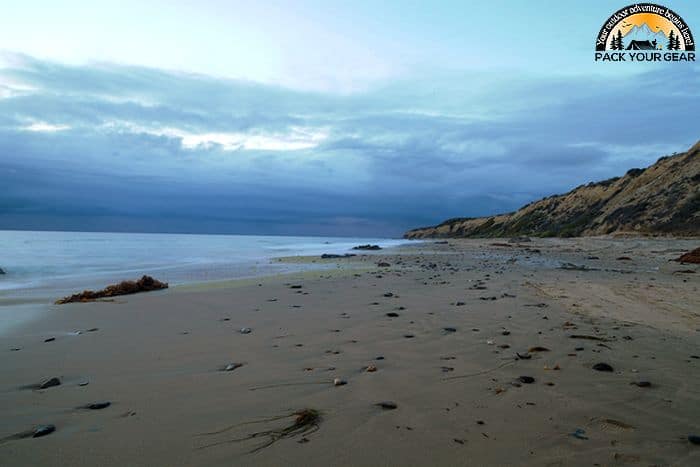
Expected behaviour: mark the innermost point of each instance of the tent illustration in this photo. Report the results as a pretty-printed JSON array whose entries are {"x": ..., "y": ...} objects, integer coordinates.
[{"x": 642, "y": 45}]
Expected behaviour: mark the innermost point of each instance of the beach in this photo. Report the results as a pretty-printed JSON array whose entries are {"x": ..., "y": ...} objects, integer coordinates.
[{"x": 554, "y": 352}]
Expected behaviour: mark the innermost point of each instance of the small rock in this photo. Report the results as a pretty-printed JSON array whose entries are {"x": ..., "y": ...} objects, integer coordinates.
[
  {"x": 603, "y": 367},
  {"x": 245, "y": 330},
  {"x": 49, "y": 383},
  {"x": 449, "y": 329},
  {"x": 97, "y": 405},
  {"x": 388, "y": 294},
  {"x": 387, "y": 405},
  {"x": 526, "y": 379},
  {"x": 232, "y": 366},
  {"x": 409, "y": 336},
  {"x": 642, "y": 384},
  {"x": 392, "y": 314},
  {"x": 371, "y": 369},
  {"x": 694, "y": 439},
  {"x": 383, "y": 264},
  {"x": 339, "y": 382},
  {"x": 297, "y": 286},
  {"x": 43, "y": 430},
  {"x": 50, "y": 339}
]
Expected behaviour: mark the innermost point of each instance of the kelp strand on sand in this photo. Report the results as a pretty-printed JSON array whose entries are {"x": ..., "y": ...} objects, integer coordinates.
[
  {"x": 145, "y": 284},
  {"x": 483, "y": 372},
  {"x": 306, "y": 422},
  {"x": 300, "y": 383}
]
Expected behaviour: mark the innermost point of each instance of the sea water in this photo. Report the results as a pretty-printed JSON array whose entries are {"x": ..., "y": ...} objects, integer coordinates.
[{"x": 42, "y": 266}]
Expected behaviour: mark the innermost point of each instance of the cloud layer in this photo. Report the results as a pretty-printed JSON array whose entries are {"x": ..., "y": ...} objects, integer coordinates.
[{"x": 110, "y": 147}]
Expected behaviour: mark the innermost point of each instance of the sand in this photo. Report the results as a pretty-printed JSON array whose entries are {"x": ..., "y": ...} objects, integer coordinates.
[{"x": 156, "y": 357}]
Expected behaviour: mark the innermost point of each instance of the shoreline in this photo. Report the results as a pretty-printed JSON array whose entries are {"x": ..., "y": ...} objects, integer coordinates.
[{"x": 448, "y": 321}]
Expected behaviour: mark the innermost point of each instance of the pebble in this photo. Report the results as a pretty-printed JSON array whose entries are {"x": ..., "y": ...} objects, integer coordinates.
[
  {"x": 43, "y": 430},
  {"x": 232, "y": 366},
  {"x": 391, "y": 314},
  {"x": 51, "y": 382},
  {"x": 97, "y": 405},
  {"x": 602, "y": 367},
  {"x": 449, "y": 329},
  {"x": 245, "y": 330},
  {"x": 371, "y": 369},
  {"x": 642, "y": 384},
  {"x": 50, "y": 339},
  {"x": 387, "y": 405},
  {"x": 339, "y": 382},
  {"x": 526, "y": 379},
  {"x": 694, "y": 439}
]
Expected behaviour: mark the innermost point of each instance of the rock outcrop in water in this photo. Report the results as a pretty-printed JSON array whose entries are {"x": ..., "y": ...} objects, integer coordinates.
[
  {"x": 662, "y": 199},
  {"x": 145, "y": 284}
]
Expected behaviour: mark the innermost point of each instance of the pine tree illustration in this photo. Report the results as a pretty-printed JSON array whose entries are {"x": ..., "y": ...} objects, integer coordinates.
[
  {"x": 619, "y": 40},
  {"x": 671, "y": 41},
  {"x": 678, "y": 44}
]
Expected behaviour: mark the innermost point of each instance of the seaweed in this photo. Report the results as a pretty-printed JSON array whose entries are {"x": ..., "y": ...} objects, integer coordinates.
[{"x": 305, "y": 422}]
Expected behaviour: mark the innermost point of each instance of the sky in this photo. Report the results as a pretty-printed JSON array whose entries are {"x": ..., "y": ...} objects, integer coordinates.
[{"x": 318, "y": 117}]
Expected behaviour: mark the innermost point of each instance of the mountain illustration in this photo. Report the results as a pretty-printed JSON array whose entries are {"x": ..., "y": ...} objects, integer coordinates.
[{"x": 644, "y": 33}]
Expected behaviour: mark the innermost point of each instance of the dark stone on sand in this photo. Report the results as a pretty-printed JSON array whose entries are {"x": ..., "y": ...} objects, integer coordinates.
[
  {"x": 367, "y": 247},
  {"x": 145, "y": 284},
  {"x": 694, "y": 439},
  {"x": 409, "y": 336},
  {"x": 449, "y": 329},
  {"x": 231, "y": 366},
  {"x": 97, "y": 405},
  {"x": 459, "y": 304},
  {"x": 43, "y": 430},
  {"x": 388, "y": 294},
  {"x": 624, "y": 258},
  {"x": 383, "y": 264},
  {"x": 387, "y": 405},
  {"x": 245, "y": 330},
  {"x": 642, "y": 384},
  {"x": 49, "y": 383},
  {"x": 379, "y": 358},
  {"x": 391, "y": 314},
  {"x": 505, "y": 333},
  {"x": 296, "y": 286},
  {"x": 334, "y": 256},
  {"x": 526, "y": 379},
  {"x": 523, "y": 356},
  {"x": 49, "y": 339},
  {"x": 603, "y": 367}
]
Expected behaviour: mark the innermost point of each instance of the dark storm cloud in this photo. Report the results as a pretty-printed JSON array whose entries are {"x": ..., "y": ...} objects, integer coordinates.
[{"x": 124, "y": 148}]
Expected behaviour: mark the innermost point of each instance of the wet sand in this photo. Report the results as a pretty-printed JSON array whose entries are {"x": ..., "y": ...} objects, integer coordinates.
[{"x": 449, "y": 361}]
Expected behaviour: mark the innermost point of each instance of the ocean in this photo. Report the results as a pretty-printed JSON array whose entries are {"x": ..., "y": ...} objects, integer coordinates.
[{"x": 42, "y": 266}]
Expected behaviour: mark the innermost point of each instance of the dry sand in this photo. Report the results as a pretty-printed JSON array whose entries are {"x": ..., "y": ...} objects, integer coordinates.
[{"x": 156, "y": 358}]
